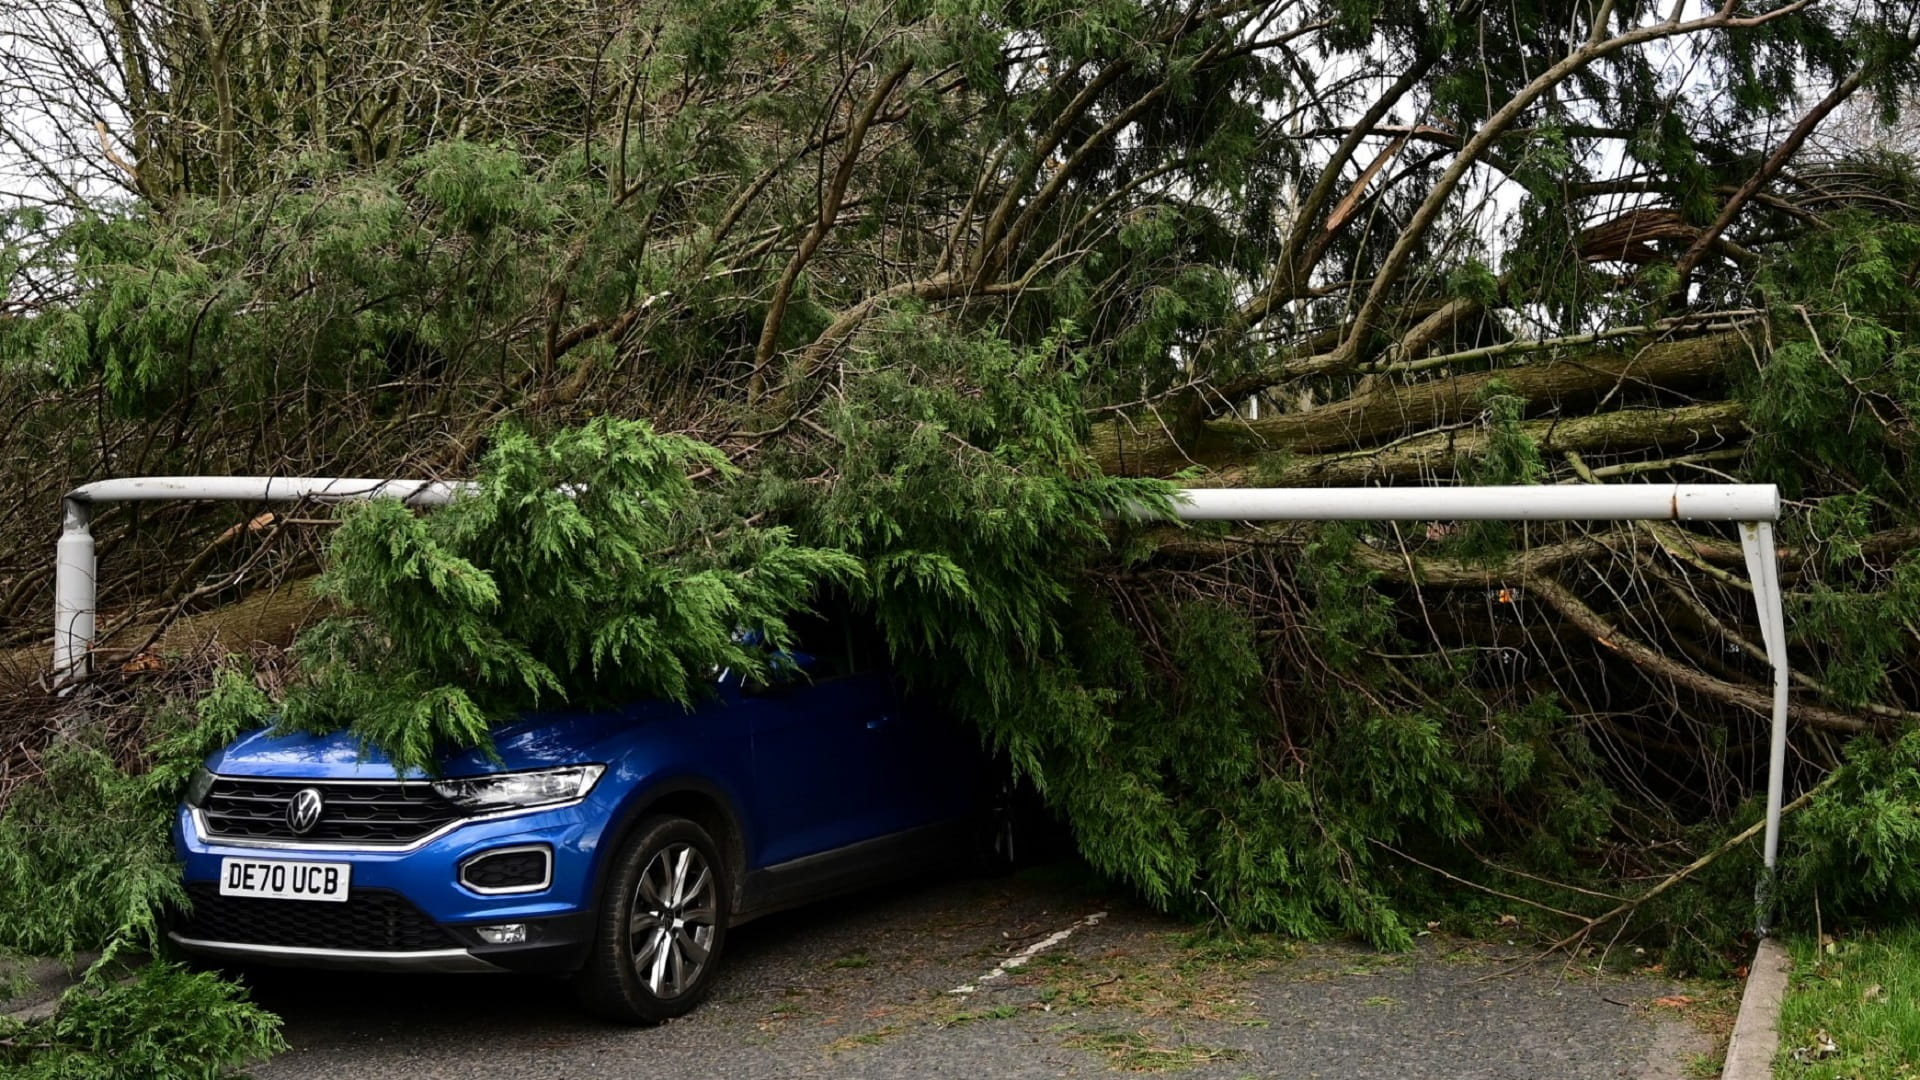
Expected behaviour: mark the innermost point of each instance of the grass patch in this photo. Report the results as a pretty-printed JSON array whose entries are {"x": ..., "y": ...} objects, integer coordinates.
[
  {"x": 1214, "y": 948},
  {"x": 852, "y": 960},
  {"x": 1189, "y": 976},
  {"x": 1704, "y": 1066},
  {"x": 1853, "y": 1008},
  {"x": 962, "y": 1019},
  {"x": 1147, "y": 1051},
  {"x": 865, "y": 1038}
]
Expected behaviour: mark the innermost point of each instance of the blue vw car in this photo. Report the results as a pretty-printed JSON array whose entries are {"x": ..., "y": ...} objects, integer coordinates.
[{"x": 614, "y": 846}]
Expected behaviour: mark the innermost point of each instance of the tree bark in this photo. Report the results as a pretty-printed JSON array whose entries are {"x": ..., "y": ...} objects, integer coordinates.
[
  {"x": 1439, "y": 454},
  {"x": 1143, "y": 447},
  {"x": 272, "y": 616}
]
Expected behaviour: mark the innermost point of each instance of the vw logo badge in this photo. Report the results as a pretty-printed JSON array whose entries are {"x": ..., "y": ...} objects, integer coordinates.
[{"x": 303, "y": 811}]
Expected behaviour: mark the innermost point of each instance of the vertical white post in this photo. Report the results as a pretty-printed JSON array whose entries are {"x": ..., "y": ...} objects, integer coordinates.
[
  {"x": 73, "y": 593},
  {"x": 1763, "y": 569},
  {"x": 74, "y": 597}
]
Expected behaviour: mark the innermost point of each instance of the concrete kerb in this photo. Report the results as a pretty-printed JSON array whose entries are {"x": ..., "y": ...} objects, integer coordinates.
[{"x": 1756, "y": 1034}]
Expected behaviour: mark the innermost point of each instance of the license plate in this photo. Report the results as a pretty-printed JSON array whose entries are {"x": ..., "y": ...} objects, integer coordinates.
[{"x": 284, "y": 880}]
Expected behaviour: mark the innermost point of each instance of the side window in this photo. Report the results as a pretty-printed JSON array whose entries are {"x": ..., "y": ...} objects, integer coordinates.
[{"x": 839, "y": 641}]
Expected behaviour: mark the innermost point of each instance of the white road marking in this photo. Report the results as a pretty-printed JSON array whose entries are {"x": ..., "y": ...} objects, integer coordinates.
[{"x": 1020, "y": 959}]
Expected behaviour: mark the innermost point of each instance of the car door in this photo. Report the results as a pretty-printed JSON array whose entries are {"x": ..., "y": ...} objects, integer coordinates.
[
  {"x": 926, "y": 760},
  {"x": 820, "y": 759}
]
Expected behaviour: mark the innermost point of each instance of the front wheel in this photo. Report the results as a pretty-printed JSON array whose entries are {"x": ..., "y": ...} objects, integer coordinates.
[{"x": 662, "y": 922}]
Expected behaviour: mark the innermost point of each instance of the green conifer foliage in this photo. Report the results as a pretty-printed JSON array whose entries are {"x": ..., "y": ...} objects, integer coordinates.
[
  {"x": 167, "y": 1023},
  {"x": 586, "y": 568},
  {"x": 86, "y": 865}
]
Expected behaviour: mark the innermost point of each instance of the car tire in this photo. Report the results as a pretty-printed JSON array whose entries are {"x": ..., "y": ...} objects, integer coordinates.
[
  {"x": 1001, "y": 833},
  {"x": 1015, "y": 829},
  {"x": 661, "y": 925}
]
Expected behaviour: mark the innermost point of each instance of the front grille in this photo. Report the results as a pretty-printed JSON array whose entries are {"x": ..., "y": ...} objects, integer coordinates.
[
  {"x": 523, "y": 868},
  {"x": 381, "y": 813},
  {"x": 372, "y": 920}
]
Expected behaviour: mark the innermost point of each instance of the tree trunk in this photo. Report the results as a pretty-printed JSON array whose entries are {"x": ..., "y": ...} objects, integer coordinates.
[
  {"x": 1374, "y": 417},
  {"x": 272, "y": 616},
  {"x": 1439, "y": 454}
]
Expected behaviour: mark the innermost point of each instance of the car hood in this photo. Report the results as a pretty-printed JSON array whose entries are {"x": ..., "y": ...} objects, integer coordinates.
[{"x": 532, "y": 741}]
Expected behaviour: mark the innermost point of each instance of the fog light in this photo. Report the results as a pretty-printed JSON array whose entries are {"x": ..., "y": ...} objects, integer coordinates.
[
  {"x": 514, "y": 933},
  {"x": 523, "y": 868}
]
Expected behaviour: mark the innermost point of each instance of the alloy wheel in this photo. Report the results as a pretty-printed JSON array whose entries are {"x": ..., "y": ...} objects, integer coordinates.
[{"x": 671, "y": 923}]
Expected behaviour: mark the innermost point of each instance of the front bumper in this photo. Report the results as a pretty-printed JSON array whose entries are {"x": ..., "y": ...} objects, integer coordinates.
[
  {"x": 556, "y": 947},
  {"x": 420, "y": 886},
  {"x": 422, "y": 960}
]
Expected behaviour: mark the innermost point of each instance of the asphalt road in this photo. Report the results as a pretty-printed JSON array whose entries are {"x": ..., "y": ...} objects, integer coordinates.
[{"x": 864, "y": 988}]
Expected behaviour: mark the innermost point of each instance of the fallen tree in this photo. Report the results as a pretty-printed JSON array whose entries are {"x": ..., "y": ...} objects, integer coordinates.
[
  {"x": 1686, "y": 434},
  {"x": 924, "y": 283},
  {"x": 1398, "y": 410}
]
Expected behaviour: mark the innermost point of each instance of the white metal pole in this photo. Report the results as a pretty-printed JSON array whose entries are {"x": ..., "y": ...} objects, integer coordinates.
[
  {"x": 1754, "y": 506},
  {"x": 73, "y": 592},
  {"x": 1763, "y": 569},
  {"x": 268, "y": 489},
  {"x": 1578, "y": 502},
  {"x": 75, "y": 587}
]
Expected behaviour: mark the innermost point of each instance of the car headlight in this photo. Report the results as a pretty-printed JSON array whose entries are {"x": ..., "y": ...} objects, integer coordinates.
[
  {"x": 521, "y": 790},
  {"x": 198, "y": 787}
]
